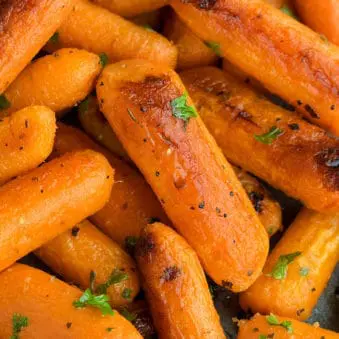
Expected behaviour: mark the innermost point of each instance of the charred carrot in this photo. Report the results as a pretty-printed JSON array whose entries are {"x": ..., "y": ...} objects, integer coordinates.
[
  {"x": 44, "y": 203},
  {"x": 154, "y": 119},
  {"x": 132, "y": 202},
  {"x": 288, "y": 58},
  {"x": 26, "y": 25},
  {"x": 298, "y": 269},
  {"x": 168, "y": 266},
  {"x": 84, "y": 250},
  {"x": 283, "y": 328},
  {"x": 44, "y": 306},
  {"x": 244, "y": 124},
  {"x": 26, "y": 140},
  {"x": 99, "y": 31},
  {"x": 58, "y": 81}
]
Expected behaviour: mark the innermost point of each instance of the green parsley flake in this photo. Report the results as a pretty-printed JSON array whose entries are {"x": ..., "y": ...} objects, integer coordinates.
[
  {"x": 109, "y": 329},
  {"x": 116, "y": 277},
  {"x": 126, "y": 293},
  {"x": 214, "y": 46},
  {"x": 289, "y": 11},
  {"x": 18, "y": 322},
  {"x": 148, "y": 28},
  {"x": 4, "y": 103},
  {"x": 181, "y": 110},
  {"x": 270, "y": 136},
  {"x": 279, "y": 271},
  {"x": 262, "y": 336},
  {"x": 304, "y": 271},
  {"x": 324, "y": 38},
  {"x": 84, "y": 105},
  {"x": 128, "y": 315},
  {"x": 54, "y": 38},
  {"x": 97, "y": 301},
  {"x": 274, "y": 321},
  {"x": 103, "y": 59}
]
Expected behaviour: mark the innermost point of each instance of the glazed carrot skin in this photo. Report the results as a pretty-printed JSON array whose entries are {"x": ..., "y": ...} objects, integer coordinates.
[
  {"x": 77, "y": 252},
  {"x": 267, "y": 208},
  {"x": 132, "y": 202},
  {"x": 185, "y": 168},
  {"x": 26, "y": 140},
  {"x": 130, "y": 8},
  {"x": 321, "y": 16},
  {"x": 58, "y": 81},
  {"x": 95, "y": 124},
  {"x": 44, "y": 203},
  {"x": 316, "y": 236},
  {"x": 38, "y": 20},
  {"x": 288, "y": 58},
  {"x": 192, "y": 52},
  {"x": 99, "y": 31},
  {"x": 251, "y": 329},
  {"x": 173, "y": 277},
  {"x": 302, "y": 161},
  {"x": 47, "y": 302}
]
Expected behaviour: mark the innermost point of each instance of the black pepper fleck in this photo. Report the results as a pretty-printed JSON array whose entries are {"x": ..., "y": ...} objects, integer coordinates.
[
  {"x": 231, "y": 193},
  {"x": 75, "y": 230},
  {"x": 171, "y": 273},
  {"x": 157, "y": 173},
  {"x": 202, "y": 205},
  {"x": 293, "y": 127},
  {"x": 69, "y": 325}
]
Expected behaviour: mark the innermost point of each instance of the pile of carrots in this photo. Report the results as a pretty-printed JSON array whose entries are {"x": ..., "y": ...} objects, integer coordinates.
[{"x": 156, "y": 184}]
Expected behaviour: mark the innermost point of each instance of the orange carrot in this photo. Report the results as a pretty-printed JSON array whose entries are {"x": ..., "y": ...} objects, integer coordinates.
[{"x": 44, "y": 203}]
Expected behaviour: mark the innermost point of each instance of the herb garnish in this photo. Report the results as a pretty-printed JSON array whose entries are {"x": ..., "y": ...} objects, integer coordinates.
[
  {"x": 181, "y": 110},
  {"x": 103, "y": 59},
  {"x": 116, "y": 277},
  {"x": 148, "y": 28},
  {"x": 304, "y": 271},
  {"x": 84, "y": 105},
  {"x": 273, "y": 320},
  {"x": 289, "y": 11},
  {"x": 128, "y": 315},
  {"x": 18, "y": 322},
  {"x": 4, "y": 103},
  {"x": 54, "y": 38},
  {"x": 214, "y": 46},
  {"x": 279, "y": 271},
  {"x": 126, "y": 293},
  {"x": 270, "y": 136},
  {"x": 98, "y": 301}
]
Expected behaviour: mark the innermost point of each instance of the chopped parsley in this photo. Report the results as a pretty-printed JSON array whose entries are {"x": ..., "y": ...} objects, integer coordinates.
[
  {"x": 289, "y": 11},
  {"x": 214, "y": 46},
  {"x": 148, "y": 28},
  {"x": 279, "y": 271},
  {"x": 103, "y": 59},
  {"x": 126, "y": 293},
  {"x": 116, "y": 277},
  {"x": 4, "y": 103},
  {"x": 262, "y": 336},
  {"x": 18, "y": 322},
  {"x": 109, "y": 329},
  {"x": 128, "y": 315},
  {"x": 304, "y": 271},
  {"x": 97, "y": 301},
  {"x": 54, "y": 38},
  {"x": 181, "y": 110},
  {"x": 274, "y": 321},
  {"x": 270, "y": 136},
  {"x": 84, "y": 105}
]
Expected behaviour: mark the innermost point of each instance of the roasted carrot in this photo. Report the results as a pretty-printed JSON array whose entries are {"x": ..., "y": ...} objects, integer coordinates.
[
  {"x": 322, "y": 16},
  {"x": 46, "y": 304},
  {"x": 84, "y": 249},
  {"x": 132, "y": 202},
  {"x": 175, "y": 285},
  {"x": 288, "y": 58},
  {"x": 26, "y": 25},
  {"x": 192, "y": 52},
  {"x": 150, "y": 112},
  {"x": 26, "y": 140},
  {"x": 267, "y": 208},
  {"x": 58, "y": 81},
  {"x": 45, "y": 202},
  {"x": 100, "y": 31},
  {"x": 262, "y": 327},
  {"x": 290, "y": 154},
  {"x": 131, "y": 8},
  {"x": 95, "y": 124},
  {"x": 298, "y": 269}
]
